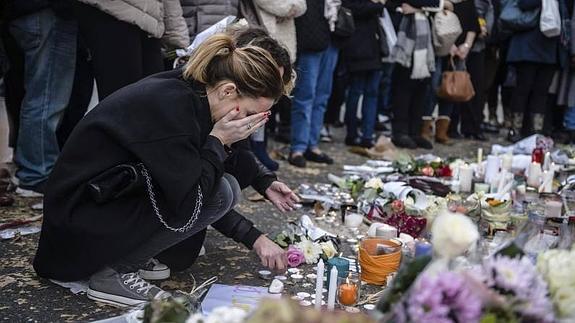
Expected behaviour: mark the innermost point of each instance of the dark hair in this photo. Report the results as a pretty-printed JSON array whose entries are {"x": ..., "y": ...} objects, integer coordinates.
[
  {"x": 259, "y": 37},
  {"x": 252, "y": 68}
]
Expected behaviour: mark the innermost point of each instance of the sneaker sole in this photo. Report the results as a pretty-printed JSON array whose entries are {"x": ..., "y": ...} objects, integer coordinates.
[
  {"x": 112, "y": 299},
  {"x": 154, "y": 275}
]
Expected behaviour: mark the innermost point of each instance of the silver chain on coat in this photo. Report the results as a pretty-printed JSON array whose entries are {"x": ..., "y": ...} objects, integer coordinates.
[{"x": 152, "y": 197}]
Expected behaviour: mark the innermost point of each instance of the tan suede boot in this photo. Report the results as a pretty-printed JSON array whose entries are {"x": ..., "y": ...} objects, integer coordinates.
[
  {"x": 427, "y": 129},
  {"x": 441, "y": 128}
]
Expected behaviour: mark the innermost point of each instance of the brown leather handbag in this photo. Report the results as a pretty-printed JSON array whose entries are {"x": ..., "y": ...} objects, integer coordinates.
[{"x": 456, "y": 85}]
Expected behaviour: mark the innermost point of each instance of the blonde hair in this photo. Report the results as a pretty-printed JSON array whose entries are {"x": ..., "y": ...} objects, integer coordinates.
[{"x": 251, "y": 68}]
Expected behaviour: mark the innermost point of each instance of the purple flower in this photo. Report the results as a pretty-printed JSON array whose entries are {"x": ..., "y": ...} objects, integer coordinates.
[
  {"x": 294, "y": 256},
  {"x": 443, "y": 298},
  {"x": 519, "y": 281}
]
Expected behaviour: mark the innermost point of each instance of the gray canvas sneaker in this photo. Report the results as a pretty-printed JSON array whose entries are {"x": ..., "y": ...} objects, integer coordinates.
[
  {"x": 154, "y": 270},
  {"x": 109, "y": 286}
]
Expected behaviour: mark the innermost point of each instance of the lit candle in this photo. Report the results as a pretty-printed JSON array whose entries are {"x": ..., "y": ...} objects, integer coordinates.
[
  {"x": 479, "y": 155},
  {"x": 534, "y": 174},
  {"x": 547, "y": 182},
  {"x": 348, "y": 293},
  {"x": 492, "y": 169},
  {"x": 319, "y": 283},
  {"x": 332, "y": 288},
  {"x": 465, "y": 178}
]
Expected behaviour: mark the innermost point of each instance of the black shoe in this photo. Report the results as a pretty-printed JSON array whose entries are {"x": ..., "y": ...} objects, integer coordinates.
[
  {"x": 422, "y": 142},
  {"x": 297, "y": 161},
  {"x": 259, "y": 149},
  {"x": 366, "y": 143},
  {"x": 351, "y": 141},
  {"x": 404, "y": 141},
  {"x": 488, "y": 127},
  {"x": 380, "y": 126},
  {"x": 318, "y": 158},
  {"x": 476, "y": 136}
]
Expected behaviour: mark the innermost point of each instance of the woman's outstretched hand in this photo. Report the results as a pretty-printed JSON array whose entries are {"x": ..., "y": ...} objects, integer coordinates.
[
  {"x": 271, "y": 255},
  {"x": 282, "y": 196},
  {"x": 230, "y": 130}
]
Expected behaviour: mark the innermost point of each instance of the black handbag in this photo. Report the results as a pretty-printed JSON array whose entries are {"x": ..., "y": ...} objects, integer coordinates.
[
  {"x": 116, "y": 182},
  {"x": 382, "y": 38},
  {"x": 345, "y": 25}
]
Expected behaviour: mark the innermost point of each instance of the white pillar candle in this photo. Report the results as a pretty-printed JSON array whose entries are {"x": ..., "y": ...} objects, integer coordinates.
[
  {"x": 507, "y": 162},
  {"x": 319, "y": 283},
  {"x": 534, "y": 175},
  {"x": 491, "y": 169},
  {"x": 547, "y": 182},
  {"x": 332, "y": 288},
  {"x": 465, "y": 178},
  {"x": 479, "y": 155}
]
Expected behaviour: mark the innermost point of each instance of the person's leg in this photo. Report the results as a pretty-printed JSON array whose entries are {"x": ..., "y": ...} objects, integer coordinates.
[
  {"x": 259, "y": 147},
  {"x": 472, "y": 111},
  {"x": 80, "y": 97},
  {"x": 13, "y": 84},
  {"x": 401, "y": 101},
  {"x": 356, "y": 87},
  {"x": 184, "y": 254},
  {"x": 416, "y": 112},
  {"x": 537, "y": 104},
  {"x": 384, "y": 101},
  {"x": 337, "y": 96},
  {"x": 117, "y": 58},
  {"x": 49, "y": 46},
  {"x": 323, "y": 91},
  {"x": 303, "y": 100},
  {"x": 120, "y": 284},
  {"x": 369, "y": 106},
  {"x": 526, "y": 74}
]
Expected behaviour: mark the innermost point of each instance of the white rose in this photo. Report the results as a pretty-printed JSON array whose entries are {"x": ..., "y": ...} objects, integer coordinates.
[
  {"x": 452, "y": 234},
  {"x": 374, "y": 183}
]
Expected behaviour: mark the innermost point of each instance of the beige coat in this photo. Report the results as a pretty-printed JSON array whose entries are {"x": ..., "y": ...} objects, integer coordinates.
[
  {"x": 278, "y": 18},
  {"x": 159, "y": 18}
]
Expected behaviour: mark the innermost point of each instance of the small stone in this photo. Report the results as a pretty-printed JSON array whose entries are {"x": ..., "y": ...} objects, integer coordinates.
[
  {"x": 306, "y": 285},
  {"x": 297, "y": 277},
  {"x": 369, "y": 307},
  {"x": 276, "y": 287},
  {"x": 282, "y": 278},
  {"x": 293, "y": 271},
  {"x": 312, "y": 277}
]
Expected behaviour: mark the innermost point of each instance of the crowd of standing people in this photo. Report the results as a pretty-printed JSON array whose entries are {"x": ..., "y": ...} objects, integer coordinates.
[{"x": 386, "y": 56}]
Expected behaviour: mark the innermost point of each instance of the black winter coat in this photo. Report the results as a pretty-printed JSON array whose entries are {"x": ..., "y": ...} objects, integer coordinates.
[
  {"x": 312, "y": 29},
  {"x": 162, "y": 121},
  {"x": 362, "y": 51}
]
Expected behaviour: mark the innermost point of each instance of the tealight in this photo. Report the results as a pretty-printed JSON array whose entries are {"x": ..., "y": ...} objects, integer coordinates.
[
  {"x": 281, "y": 277},
  {"x": 293, "y": 271},
  {"x": 305, "y": 303},
  {"x": 303, "y": 295},
  {"x": 265, "y": 274},
  {"x": 297, "y": 277},
  {"x": 369, "y": 307}
]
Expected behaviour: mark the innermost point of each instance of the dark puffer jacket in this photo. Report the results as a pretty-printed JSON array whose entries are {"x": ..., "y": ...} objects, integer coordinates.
[
  {"x": 312, "y": 29},
  {"x": 201, "y": 14},
  {"x": 362, "y": 51}
]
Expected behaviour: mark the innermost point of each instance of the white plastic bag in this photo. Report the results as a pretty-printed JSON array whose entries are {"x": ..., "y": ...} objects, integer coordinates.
[
  {"x": 387, "y": 25},
  {"x": 550, "y": 21}
]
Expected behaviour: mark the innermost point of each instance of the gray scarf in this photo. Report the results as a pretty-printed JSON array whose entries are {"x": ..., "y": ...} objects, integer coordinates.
[{"x": 414, "y": 48}]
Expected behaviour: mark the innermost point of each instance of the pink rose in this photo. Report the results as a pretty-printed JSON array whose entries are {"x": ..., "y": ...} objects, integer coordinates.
[
  {"x": 294, "y": 256},
  {"x": 397, "y": 206}
]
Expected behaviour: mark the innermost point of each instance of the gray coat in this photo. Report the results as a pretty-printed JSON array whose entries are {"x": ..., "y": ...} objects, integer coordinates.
[
  {"x": 159, "y": 18},
  {"x": 201, "y": 14}
]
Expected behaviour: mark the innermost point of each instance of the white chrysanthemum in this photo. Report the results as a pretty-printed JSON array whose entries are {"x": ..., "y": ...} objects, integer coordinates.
[
  {"x": 311, "y": 251},
  {"x": 374, "y": 183},
  {"x": 452, "y": 234},
  {"x": 556, "y": 266}
]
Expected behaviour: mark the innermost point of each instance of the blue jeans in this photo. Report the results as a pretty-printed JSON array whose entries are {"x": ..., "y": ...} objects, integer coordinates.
[
  {"x": 366, "y": 84},
  {"x": 312, "y": 90},
  {"x": 49, "y": 47},
  {"x": 569, "y": 118}
]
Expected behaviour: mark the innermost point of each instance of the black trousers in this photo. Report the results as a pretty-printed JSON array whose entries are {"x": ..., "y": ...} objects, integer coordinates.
[
  {"x": 338, "y": 93},
  {"x": 121, "y": 53},
  {"x": 472, "y": 112},
  {"x": 13, "y": 83},
  {"x": 408, "y": 102},
  {"x": 533, "y": 81}
]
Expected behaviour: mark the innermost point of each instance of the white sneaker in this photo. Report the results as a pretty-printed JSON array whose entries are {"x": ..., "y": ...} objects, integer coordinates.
[
  {"x": 28, "y": 193},
  {"x": 324, "y": 134},
  {"x": 154, "y": 270}
]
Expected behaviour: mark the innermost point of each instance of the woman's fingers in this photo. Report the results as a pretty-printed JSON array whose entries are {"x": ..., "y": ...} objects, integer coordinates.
[{"x": 251, "y": 120}]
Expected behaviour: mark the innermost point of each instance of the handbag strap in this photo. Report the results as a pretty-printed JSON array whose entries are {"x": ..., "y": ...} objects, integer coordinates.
[
  {"x": 152, "y": 196},
  {"x": 452, "y": 64}
]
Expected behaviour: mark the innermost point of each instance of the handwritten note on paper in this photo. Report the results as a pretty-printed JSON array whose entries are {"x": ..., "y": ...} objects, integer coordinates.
[{"x": 241, "y": 296}]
